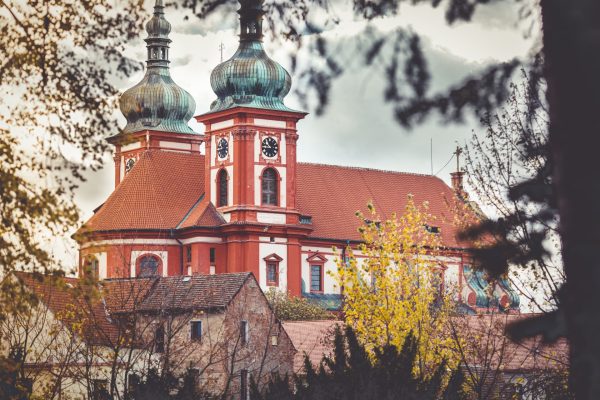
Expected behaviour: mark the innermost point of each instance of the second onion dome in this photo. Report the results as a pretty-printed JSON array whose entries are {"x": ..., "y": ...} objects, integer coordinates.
[{"x": 250, "y": 78}]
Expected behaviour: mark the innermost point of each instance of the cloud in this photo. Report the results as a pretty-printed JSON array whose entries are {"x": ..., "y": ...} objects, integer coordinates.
[{"x": 181, "y": 61}]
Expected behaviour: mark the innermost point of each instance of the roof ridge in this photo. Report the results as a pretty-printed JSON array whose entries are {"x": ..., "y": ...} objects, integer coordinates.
[
  {"x": 190, "y": 210},
  {"x": 372, "y": 169}
]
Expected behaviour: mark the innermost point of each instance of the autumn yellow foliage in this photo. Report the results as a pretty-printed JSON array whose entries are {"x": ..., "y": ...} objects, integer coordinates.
[{"x": 392, "y": 286}]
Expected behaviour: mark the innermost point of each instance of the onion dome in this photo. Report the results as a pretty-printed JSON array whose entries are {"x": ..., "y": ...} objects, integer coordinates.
[
  {"x": 157, "y": 103},
  {"x": 250, "y": 78}
]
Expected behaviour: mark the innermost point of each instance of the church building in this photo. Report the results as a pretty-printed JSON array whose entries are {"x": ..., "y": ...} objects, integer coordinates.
[{"x": 244, "y": 203}]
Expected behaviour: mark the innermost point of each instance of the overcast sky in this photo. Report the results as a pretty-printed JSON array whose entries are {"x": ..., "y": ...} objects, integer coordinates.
[{"x": 358, "y": 128}]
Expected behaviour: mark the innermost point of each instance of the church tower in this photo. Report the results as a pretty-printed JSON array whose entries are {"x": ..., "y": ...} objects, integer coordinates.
[
  {"x": 250, "y": 133},
  {"x": 250, "y": 163},
  {"x": 157, "y": 109}
]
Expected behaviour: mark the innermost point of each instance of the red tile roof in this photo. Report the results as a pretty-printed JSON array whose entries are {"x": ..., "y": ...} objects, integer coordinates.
[
  {"x": 312, "y": 338},
  {"x": 157, "y": 193},
  {"x": 164, "y": 190},
  {"x": 315, "y": 339},
  {"x": 203, "y": 214},
  {"x": 64, "y": 298},
  {"x": 126, "y": 295},
  {"x": 197, "y": 292},
  {"x": 528, "y": 355},
  {"x": 332, "y": 194}
]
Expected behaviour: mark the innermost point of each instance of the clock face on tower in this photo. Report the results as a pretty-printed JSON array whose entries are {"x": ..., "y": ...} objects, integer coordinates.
[
  {"x": 129, "y": 164},
  {"x": 222, "y": 148},
  {"x": 269, "y": 147}
]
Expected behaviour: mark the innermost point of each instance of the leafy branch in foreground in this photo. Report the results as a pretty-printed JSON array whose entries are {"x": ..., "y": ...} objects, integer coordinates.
[
  {"x": 60, "y": 66},
  {"x": 509, "y": 171}
]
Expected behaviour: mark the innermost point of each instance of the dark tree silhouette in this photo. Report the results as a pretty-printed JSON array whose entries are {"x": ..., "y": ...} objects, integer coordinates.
[
  {"x": 506, "y": 165},
  {"x": 350, "y": 374}
]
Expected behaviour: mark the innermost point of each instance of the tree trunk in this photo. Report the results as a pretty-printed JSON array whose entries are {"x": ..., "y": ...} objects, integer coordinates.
[{"x": 572, "y": 58}]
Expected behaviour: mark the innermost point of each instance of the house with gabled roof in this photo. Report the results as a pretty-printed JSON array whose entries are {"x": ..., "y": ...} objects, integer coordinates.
[
  {"x": 244, "y": 203},
  {"x": 87, "y": 338}
]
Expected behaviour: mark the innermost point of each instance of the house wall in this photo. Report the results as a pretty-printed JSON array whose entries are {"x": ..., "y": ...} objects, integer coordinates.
[
  {"x": 220, "y": 355},
  {"x": 57, "y": 361}
]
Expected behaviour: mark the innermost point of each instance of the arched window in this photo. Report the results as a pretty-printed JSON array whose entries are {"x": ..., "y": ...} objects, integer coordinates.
[
  {"x": 148, "y": 266},
  {"x": 269, "y": 187},
  {"x": 222, "y": 179}
]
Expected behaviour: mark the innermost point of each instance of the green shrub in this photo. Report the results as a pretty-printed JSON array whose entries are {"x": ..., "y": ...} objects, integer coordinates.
[{"x": 288, "y": 308}]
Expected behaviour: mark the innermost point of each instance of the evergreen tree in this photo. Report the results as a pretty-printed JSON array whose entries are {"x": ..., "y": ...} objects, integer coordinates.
[
  {"x": 169, "y": 387},
  {"x": 352, "y": 374}
]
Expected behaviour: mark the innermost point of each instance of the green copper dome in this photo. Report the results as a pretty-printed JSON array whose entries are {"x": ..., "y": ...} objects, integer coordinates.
[
  {"x": 250, "y": 78},
  {"x": 157, "y": 103}
]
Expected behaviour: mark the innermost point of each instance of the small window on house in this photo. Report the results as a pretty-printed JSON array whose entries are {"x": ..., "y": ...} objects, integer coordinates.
[
  {"x": 432, "y": 229},
  {"x": 244, "y": 331},
  {"x": 188, "y": 253},
  {"x": 95, "y": 267},
  {"x": 148, "y": 266},
  {"x": 195, "y": 376},
  {"x": 133, "y": 382},
  {"x": 272, "y": 274},
  {"x": 374, "y": 280},
  {"x": 159, "y": 339},
  {"x": 212, "y": 255},
  {"x": 269, "y": 187},
  {"x": 196, "y": 327},
  {"x": 244, "y": 384},
  {"x": 222, "y": 188},
  {"x": 27, "y": 384},
  {"x": 100, "y": 389},
  {"x": 316, "y": 278}
]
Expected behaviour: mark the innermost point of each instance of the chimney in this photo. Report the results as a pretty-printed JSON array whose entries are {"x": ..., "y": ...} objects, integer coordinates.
[{"x": 457, "y": 181}]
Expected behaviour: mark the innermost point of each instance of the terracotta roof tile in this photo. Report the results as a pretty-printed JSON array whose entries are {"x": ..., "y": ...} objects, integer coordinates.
[
  {"x": 312, "y": 338},
  {"x": 164, "y": 190},
  {"x": 126, "y": 295},
  {"x": 63, "y": 297},
  {"x": 530, "y": 354},
  {"x": 332, "y": 194},
  {"x": 203, "y": 214},
  {"x": 198, "y": 292},
  {"x": 157, "y": 193}
]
